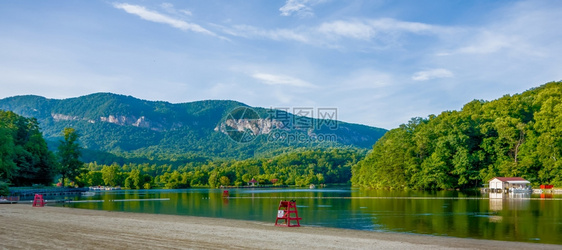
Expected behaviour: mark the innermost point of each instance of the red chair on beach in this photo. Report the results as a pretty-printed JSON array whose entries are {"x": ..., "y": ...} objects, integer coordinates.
[
  {"x": 38, "y": 201},
  {"x": 287, "y": 212}
]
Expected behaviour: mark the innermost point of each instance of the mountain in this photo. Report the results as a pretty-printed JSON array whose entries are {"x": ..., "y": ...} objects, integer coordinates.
[{"x": 116, "y": 126}]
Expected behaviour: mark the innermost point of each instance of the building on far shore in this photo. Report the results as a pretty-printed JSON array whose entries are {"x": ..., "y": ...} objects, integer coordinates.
[
  {"x": 252, "y": 182},
  {"x": 509, "y": 184}
]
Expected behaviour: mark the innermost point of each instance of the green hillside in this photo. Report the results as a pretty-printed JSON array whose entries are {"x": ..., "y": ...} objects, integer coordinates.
[
  {"x": 519, "y": 135},
  {"x": 118, "y": 128}
]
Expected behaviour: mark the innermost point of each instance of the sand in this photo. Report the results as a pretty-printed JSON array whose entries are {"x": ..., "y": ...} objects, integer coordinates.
[{"x": 25, "y": 227}]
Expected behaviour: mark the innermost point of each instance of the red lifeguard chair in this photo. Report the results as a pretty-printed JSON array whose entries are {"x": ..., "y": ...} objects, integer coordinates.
[
  {"x": 38, "y": 201},
  {"x": 287, "y": 212}
]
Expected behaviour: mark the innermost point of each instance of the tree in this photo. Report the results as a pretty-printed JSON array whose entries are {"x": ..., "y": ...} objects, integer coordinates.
[
  {"x": 69, "y": 155},
  {"x": 224, "y": 180},
  {"x": 24, "y": 156},
  {"x": 7, "y": 154},
  {"x": 92, "y": 178},
  {"x": 111, "y": 175},
  {"x": 4, "y": 189}
]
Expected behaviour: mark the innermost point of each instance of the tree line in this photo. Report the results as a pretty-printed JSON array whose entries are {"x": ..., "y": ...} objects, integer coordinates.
[
  {"x": 301, "y": 168},
  {"x": 519, "y": 135},
  {"x": 25, "y": 158},
  {"x": 514, "y": 136}
]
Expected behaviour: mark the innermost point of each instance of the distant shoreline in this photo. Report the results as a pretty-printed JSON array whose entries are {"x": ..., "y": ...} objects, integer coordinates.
[{"x": 24, "y": 226}]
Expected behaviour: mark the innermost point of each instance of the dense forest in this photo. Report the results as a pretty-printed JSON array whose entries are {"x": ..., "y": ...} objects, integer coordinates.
[
  {"x": 24, "y": 156},
  {"x": 301, "y": 167},
  {"x": 519, "y": 135}
]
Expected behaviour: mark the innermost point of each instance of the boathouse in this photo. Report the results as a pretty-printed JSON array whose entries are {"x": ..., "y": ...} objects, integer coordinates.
[{"x": 509, "y": 184}]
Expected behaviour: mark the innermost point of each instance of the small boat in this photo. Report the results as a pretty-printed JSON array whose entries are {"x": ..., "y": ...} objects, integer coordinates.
[{"x": 312, "y": 186}]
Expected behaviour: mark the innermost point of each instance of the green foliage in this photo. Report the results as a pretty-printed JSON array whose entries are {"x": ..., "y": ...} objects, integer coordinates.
[
  {"x": 7, "y": 154},
  {"x": 519, "y": 135},
  {"x": 224, "y": 181},
  {"x": 301, "y": 168},
  {"x": 69, "y": 154},
  {"x": 90, "y": 178},
  {"x": 24, "y": 156},
  {"x": 112, "y": 175},
  {"x": 4, "y": 189},
  {"x": 136, "y": 180}
]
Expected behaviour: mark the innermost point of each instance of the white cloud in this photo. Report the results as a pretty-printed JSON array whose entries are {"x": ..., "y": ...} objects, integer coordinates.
[
  {"x": 397, "y": 25},
  {"x": 481, "y": 42},
  {"x": 384, "y": 30},
  {"x": 170, "y": 9},
  {"x": 523, "y": 29},
  {"x": 247, "y": 31},
  {"x": 154, "y": 16},
  {"x": 293, "y": 6},
  {"x": 366, "y": 29},
  {"x": 357, "y": 30},
  {"x": 432, "y": 74},
  {"x": 271, "y": 79},
  {"x": 301, "y": 8}
]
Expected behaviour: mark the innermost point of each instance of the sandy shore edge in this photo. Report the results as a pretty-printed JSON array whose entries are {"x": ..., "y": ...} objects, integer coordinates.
[{"x": 25, "y": 227}]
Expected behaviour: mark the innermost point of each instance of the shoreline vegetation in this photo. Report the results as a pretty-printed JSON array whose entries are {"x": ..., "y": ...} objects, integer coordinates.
[
  {"x": 24, "y": 226},
  {"x": 512, "y": 136}
]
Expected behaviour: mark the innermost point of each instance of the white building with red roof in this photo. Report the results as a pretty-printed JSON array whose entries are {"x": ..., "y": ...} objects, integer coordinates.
[{"x": 509, "y": 184}]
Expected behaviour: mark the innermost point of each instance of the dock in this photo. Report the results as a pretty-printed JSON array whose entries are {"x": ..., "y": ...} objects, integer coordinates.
[
  {"x": 256, "y": 186},
  {"x": 9, "y": 199},
  {"x": 28, "y": 194}
]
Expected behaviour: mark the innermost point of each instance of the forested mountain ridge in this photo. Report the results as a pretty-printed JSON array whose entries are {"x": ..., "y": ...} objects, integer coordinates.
[
  {"x": 131, "y": 127},
  {"x": 519, "y": 135}
]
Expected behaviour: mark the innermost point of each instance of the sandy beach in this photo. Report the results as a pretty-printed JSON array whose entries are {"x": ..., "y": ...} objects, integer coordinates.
[{"x": 25, "y": 227}]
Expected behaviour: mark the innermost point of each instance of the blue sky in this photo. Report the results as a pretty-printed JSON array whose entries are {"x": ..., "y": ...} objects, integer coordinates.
[{"x": 378, "y": 62}]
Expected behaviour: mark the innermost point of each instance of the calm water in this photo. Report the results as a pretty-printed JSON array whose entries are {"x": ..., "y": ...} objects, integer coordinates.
[{"x": 527, "y": 218}]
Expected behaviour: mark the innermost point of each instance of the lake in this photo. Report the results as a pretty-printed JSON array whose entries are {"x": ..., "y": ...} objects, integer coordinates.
[{"x": 519, "y": 217}]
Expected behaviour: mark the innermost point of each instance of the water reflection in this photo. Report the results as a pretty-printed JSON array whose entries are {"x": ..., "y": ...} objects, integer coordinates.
[
  {"x": 512, "y": 201},
  {"x": 516, "y": 217},
  {"x": 496, "y": 201}
]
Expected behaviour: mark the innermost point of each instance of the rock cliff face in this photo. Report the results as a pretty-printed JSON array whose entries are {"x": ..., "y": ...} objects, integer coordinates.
[
  {"x": 141, "y": 122},
  {"x": 61, "y": 117},
  {"x": 257, "y": 126}
]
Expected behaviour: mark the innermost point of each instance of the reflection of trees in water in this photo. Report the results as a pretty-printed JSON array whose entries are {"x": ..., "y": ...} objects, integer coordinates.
[{"x": 437, "y": 213}]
